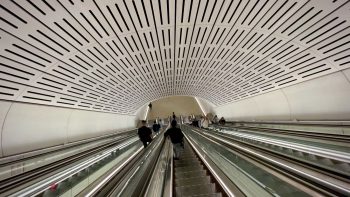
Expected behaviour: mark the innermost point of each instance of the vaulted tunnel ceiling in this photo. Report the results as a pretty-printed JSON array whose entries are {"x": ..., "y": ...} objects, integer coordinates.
[{"x": 115, "y": 56}]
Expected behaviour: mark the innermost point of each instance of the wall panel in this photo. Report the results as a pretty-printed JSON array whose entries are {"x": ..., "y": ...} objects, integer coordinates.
[
  {"x": 273, "y": 105},
  {"x": 206, "y": 105},
  {"x": 323, "y": 98},
  {"x": 32, "y": 127},
  {"x": 4, "y": 107},
  {"x": 243, "y": 110},
  {"x": 181, "y": 105},
  {"x": 29, "y": 127}
]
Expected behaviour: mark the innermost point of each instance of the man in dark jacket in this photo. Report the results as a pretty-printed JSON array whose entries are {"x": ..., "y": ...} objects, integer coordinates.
[
  {"x": 156, "y": 127},
  {"x": 222, "y": 121},
  {"x": 176, "y": 137},
  {"x": 144, "y": 134}
]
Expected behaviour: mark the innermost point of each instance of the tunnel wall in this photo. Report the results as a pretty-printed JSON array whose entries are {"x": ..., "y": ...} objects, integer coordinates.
[
  {"x": 140, "y": 113},
  {"x": 27, "y": 127},
  {"x": 181, "y": 105},
  {"x": 206, "y": 105},
  {"x": 323, "y": 98}
]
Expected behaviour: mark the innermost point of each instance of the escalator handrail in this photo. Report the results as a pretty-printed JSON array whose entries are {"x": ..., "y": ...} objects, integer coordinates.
[
  {"x": 304, "y": 123},
  {"x": 227, "y": 185},
  {"x": 104, "y": 181},
  {"x": 312, "y": 133},
  {"x": 37, "y": 153},
  {"x": 330, "y": 182},
  {"x": 332, "y": 154},
  {"x": 45, "y": 184},
  {"x": 161, "y": 182},
  {"x": 150, "y": 155}
]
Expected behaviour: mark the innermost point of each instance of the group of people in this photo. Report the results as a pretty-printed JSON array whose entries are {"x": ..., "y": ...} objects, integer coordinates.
[
  {"x": 145, "y": 133},
  {"x": 216, "y": 120},
  {"x": 204, "y": 121},
  {"x": 175, "y": 133}
]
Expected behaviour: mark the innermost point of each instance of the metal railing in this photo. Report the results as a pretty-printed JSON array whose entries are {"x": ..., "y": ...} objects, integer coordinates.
[
  {"x": 47, "y": 183},
  {"x": 161, "y": 182}
]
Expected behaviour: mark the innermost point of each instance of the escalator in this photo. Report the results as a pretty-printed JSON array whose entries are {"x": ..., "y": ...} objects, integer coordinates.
[
  {"x": 210, "y": 165},
  {"x": 191, "y": 177},
  {"x": 155, "y": 173},
  {"x": 54, "y": 172},
  {"x": 213, "y": 166},
  {"x": 272, "y": 171},
  {"x": 126, "y": 168},
  {"x": 333, "y": 158}
]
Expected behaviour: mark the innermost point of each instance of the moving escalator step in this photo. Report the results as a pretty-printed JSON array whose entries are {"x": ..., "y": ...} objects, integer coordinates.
[
  {"x": 186, "y": 163},
  {"x": 190, "y": 174},
  {"x": 191, "y": 190},
  {"x": 189, "y": 168},
  {"x": 342, "y": 166},
  {"x": 191, "y": 179}
]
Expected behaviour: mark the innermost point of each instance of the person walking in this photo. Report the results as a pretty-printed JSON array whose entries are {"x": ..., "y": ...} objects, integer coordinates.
[
  {"x": 176, "y": 137},
  {"x": 200, "y": 121},
  {"x": 222, "y": 121},
  {"x": 215, "y": 120},
  {"x": 205, "y": 122},
  {"x": 195, "y": 122},
  {"x": 155, "y": 127},
  {"x": 144, "y": 133}
]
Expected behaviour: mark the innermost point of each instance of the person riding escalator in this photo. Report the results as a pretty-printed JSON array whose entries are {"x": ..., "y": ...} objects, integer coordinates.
[
  {"x": 176, "y": 137},
  {"x": 144, "y": 134}
]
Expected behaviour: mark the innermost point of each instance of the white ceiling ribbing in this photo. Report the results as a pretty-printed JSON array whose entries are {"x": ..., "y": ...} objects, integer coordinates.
[{"x": 116, "y": 55}]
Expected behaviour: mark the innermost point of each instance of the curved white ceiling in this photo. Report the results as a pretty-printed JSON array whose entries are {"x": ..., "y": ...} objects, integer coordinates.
[{"x": 115, "y": 56}]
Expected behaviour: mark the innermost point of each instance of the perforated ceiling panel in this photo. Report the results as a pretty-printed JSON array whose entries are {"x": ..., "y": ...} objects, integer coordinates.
[{"x": 115, "y": 56}]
